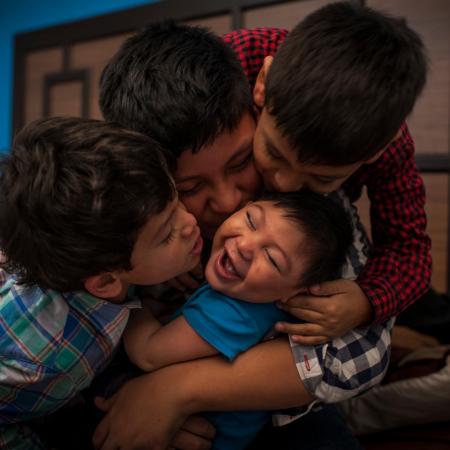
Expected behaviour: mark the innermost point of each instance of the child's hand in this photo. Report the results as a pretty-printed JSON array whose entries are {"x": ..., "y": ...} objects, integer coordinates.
[
  {"x": 188, "y": 281},
  {"x": 330, "y": 310},
  {"x": 155, "y": 404}
]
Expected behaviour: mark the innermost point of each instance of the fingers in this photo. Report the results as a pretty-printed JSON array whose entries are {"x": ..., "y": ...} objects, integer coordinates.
[
  {"x": 309, "y": 340},
  {"x": 100, "y": 435},
  {"x": 308, "y": 315},
  {"x": 184, "y": 440},
  {"x": 104, "y": 404},
  {"x": 302, "y": 329},
  {"x": 200, "y": 426},
  {"x": 312, "y": 309},
  {"x": 330, "y": 288}
]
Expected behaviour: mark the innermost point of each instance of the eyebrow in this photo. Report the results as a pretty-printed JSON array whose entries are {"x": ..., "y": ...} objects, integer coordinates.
[{"x": 243, "y": 148}]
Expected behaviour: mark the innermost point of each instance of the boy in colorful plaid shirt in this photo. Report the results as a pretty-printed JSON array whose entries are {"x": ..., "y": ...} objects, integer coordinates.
[{"x": 87, "y": 210}]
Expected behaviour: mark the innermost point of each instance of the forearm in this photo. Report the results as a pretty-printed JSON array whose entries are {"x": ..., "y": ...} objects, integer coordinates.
[
  {"x": 139, "y": 338},
  {"x": 263, "y": 378}
]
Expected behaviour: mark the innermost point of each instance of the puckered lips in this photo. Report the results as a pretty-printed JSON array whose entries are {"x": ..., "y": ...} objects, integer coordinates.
[
  {"x": 226, "y": 266},
  {"x": 198, "y": 245}
]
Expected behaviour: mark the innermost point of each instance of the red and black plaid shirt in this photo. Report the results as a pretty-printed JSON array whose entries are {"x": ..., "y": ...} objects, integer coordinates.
[{"x": 399, "y": 269}]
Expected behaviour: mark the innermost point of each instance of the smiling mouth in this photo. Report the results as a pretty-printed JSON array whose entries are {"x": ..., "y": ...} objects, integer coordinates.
[{"x": 224, "y": 267}]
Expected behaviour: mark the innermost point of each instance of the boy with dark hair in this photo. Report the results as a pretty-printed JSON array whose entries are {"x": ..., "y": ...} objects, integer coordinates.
[
  {"x": 184, "y": 106},
  {"x": 165, "y": 81},
  {"x": 88, "y": 209},
  {"x": 398, "y": 270},
  {"x": 268, "y": 250},
  {"x": 333, "y": 103}
]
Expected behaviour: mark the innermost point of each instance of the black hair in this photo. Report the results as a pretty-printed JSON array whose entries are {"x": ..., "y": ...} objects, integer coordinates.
[
  {"x": 74, "y": 194},
  {"x": 327, "y": 229},
  {"x": 181, "y": 85},
  {"x": 343, "y": 82}
]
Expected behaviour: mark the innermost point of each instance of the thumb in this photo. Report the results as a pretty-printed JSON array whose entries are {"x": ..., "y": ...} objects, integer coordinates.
[
  {"x": 104, "y": 404},
  {"x": 328, "y": 288}
]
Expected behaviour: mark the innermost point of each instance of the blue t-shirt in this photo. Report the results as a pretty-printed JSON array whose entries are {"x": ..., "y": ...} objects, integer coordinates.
[{"x": 231, "y": 326}]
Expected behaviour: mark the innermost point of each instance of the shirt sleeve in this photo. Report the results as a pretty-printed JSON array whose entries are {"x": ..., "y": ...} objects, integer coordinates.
[
  {"x": 399, "y": 269},
  {"x": 230, "y": 325},
  {"x": 253, "y": 45}
]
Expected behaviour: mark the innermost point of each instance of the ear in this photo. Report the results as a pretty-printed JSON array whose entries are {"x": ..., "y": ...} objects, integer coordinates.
[
  {"x": 105, "y": 285},
  {"x": 259, "y": 91}
]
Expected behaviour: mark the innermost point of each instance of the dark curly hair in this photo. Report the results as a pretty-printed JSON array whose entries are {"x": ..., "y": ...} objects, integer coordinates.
[{"x": 74, "y": 193}]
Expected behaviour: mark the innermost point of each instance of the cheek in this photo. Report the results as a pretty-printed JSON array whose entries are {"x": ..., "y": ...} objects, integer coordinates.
[
  {"x": 249, "y": 180},
  {"x": 261, "y": 161},
  {"x": 195, "y": 204}
]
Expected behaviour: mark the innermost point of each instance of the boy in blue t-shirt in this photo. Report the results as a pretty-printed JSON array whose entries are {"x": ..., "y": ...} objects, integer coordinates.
[{"x": 267, "y": 251}]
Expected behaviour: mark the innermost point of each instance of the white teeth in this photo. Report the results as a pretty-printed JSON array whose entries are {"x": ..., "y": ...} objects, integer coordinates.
[{"x": 228, "y": 266}]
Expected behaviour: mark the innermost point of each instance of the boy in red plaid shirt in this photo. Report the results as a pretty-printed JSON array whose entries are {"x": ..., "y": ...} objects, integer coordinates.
[{"x": 332, "y": 104}]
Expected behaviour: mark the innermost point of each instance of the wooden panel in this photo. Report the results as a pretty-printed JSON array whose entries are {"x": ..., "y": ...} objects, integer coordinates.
[
  {"x": 429, "y": 122},
  {"x": 93, "y": 55},
  {"x": 65, "y": 99},
  {"x": 284, "y": 15},
  {"x": 437, "y": 204},
  {"x": 218, "y": 24},
  {"x": 37, "y": 65}
]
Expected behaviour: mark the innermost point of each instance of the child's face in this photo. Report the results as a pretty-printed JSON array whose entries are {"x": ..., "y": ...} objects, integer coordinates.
[
  {"x": 167, "y": 246},
  {"x": 277, "y": 162},
  {"x": 257, "y": 254},
  {"x": 220, "y": 178}
]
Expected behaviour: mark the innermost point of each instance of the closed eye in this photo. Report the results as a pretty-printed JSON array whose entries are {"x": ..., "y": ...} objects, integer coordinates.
[
  {"x": 242, "y": 164},
  {"x": 168, "y": 238},
  {"x": 191, "y": 191},
  {"x": 272, "y": 154},
  {"x": 250, "y": 222},
  {"x": 272, "y": 261}
]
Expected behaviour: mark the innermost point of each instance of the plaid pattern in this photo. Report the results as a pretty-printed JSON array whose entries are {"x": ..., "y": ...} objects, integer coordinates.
[
  {"x": 342, "y": 368},
  {"x": 399, "y": 270},
  {"x": 51, "y": 347},
  {"x": 352, "y": 363}
]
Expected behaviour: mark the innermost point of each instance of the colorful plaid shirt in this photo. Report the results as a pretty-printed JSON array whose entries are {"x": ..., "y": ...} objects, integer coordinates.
[
  {"x": 51, "y": 347},
  {"x": 399, "y": 269}
]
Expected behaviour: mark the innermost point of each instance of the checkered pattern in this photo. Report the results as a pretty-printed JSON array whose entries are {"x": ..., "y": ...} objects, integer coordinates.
[
  {"x": 341, "y": 369},
  {"x": 353, "y": 363},
  {"x": 399, "y": 270},
  {"x": 51, "y": 347}
]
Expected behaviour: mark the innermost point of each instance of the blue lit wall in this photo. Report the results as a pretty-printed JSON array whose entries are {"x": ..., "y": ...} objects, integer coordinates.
[{"x": 18, "y": 16}]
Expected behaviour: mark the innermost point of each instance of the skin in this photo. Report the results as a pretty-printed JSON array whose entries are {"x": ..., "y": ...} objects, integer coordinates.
[
  {"x": 168, "y": 245},
  {"x": 180, "y": 390},
  {"x": 220, "y": 178},
  {"x": 331, "y": 309},
  {"x": 257, "y": 255}
]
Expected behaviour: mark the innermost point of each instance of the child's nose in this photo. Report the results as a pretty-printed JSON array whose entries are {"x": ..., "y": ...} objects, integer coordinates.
[
  {"x": 189, "y": 222},
  {"x": 245, "y": 248}
]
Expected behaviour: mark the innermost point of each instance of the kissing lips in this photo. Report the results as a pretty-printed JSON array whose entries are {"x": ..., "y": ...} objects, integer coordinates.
[{"x": 224, "y": 267}]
